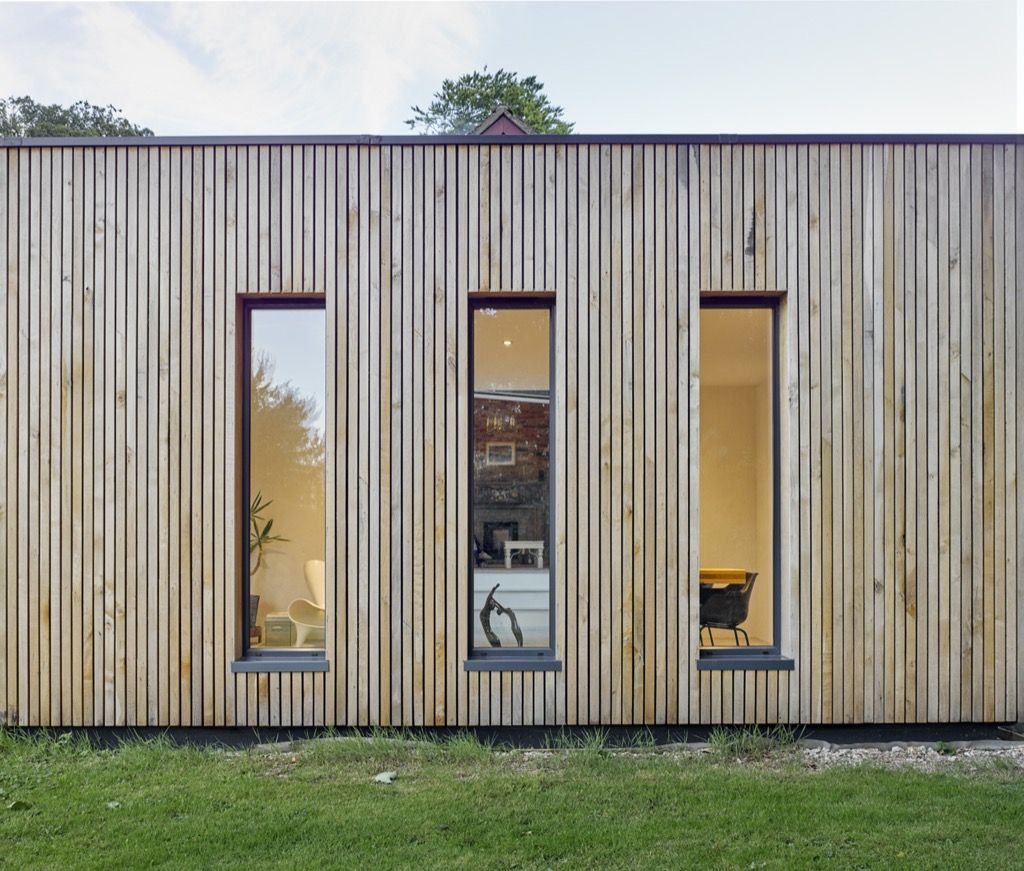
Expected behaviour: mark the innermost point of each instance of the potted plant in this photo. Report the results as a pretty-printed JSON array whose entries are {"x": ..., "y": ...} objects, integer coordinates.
[{"x": 260, "y": 535}]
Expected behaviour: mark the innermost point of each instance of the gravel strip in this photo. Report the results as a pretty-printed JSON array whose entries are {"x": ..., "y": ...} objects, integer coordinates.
[
  {"x": 969, "y": 756},
  {"x": 951, "y": 756}
]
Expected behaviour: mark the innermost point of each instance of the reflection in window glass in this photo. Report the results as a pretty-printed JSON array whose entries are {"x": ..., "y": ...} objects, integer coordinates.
[
  {"x": 511, "y": 486},
  {"x": 287, "y": 387},
  {"x": 736, "y": 477}
]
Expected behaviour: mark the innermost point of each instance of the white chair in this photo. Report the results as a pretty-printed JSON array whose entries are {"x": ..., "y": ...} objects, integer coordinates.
[{"x": 309, "y": 616}]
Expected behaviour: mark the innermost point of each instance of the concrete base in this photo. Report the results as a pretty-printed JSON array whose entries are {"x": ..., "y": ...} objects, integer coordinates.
[{"x": 1012, "y": 732}]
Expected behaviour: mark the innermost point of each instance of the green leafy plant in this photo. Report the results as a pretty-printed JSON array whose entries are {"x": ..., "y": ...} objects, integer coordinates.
[{"x": 260, "y": 531}]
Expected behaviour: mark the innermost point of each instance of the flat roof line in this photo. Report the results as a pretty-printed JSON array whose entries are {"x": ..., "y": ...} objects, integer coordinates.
[{"x": 573, "y": 139}]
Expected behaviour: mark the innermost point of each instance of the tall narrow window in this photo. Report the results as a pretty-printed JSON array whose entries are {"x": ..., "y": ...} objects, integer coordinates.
[
  {"x": 738, "y": 477},
  {"x": 511, "y": 488},
  {"x": 284, "y": 582}
]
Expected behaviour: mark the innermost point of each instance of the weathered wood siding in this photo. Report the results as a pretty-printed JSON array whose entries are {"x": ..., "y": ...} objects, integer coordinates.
[{"x": 903, "y": 326}]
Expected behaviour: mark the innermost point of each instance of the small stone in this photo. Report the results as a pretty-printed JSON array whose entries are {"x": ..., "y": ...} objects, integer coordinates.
[{"x": 386, "y": 777}]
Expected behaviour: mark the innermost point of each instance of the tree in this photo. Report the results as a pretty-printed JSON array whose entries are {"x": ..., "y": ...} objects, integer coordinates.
[
  {"x": 461, "y": 105},
  {"x": 287, "y": 455},
  {"x": 23, "y": 116},
  {"x": 288, "y": 450}
]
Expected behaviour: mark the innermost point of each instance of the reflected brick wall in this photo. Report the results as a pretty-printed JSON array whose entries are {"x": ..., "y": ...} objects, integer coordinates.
[{"x": 513, "y": 496}]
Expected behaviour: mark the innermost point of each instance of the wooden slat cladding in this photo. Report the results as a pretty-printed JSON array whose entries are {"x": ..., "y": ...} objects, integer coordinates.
[{"x": 902, "y": 334}]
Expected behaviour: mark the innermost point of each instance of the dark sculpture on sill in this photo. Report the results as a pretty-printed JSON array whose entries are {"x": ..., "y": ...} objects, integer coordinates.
[{"x": 492, "y": 604}]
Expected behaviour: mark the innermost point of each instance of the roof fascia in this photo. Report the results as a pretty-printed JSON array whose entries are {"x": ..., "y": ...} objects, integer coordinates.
[{"x": 526, "y": 139}]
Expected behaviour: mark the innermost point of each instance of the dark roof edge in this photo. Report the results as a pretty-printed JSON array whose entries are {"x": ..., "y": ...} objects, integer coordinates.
[{"x": 528, "y": 139}]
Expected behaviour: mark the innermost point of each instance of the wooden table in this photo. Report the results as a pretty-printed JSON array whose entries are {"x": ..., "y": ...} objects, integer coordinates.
[
  {"x": 512, "y": 547},
  {"x": 722, "y": 577}
]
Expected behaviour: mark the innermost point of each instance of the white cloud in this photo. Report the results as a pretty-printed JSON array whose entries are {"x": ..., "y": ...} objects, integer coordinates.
[
  {"x": 198, "y": 68},
  {"x": 238, "y": 68}
]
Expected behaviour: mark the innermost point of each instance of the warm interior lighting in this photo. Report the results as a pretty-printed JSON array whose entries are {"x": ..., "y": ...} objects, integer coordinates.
[
  {"x": 507, "y": 343},
  {"x": 736, "y": 474}
]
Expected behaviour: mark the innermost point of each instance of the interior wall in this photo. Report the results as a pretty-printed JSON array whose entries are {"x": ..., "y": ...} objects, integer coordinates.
[
  {"x": 735, "y": 500},
  {"x": 762, "y": 601},
  {"x": 728, "y": 480}
]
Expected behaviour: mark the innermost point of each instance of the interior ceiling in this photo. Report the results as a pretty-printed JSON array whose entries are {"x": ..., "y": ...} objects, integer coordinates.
[
  {"x": 523, "y": 365},
  {"x": 735, "y": 346}
]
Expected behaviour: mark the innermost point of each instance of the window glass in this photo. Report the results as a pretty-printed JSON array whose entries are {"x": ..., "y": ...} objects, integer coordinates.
[
  {"x": 511, "y": 488},
  {"x": 737, "y": 477},
  {"x": 287, "y": 387}
]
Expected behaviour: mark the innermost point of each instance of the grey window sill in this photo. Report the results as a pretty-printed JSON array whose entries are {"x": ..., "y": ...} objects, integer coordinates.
[
  {"x": 744, "y": 662},
  {"x": 315, "y": 662},
  {"x": 512, "y": 664}
]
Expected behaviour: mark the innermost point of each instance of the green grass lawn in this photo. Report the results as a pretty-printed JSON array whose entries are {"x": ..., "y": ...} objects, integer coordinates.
[{"x": 460, "y": 805}]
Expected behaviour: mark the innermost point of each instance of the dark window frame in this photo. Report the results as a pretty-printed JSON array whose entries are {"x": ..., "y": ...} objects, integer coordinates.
[
  {"x": 513, "y": 658},
  {"x": 763, "y": 655},
  {"x": 261, "y": 659}
]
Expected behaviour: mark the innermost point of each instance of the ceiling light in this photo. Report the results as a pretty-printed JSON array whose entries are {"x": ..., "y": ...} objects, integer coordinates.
[{"x": 507, "y": 343}]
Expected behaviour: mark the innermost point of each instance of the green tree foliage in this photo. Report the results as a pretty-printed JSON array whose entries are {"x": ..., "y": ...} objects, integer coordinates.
[
  {"x": 23, "y": 116},
  {"x": 287, "y": 461},
  {"x": 287, "y": 446},
  {"x": 461, "y": 105}
]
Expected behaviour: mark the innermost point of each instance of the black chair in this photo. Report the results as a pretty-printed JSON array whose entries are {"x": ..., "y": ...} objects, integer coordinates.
[
  {"x": 726, "y": 608},
  {"x": 480, "y": 556}
]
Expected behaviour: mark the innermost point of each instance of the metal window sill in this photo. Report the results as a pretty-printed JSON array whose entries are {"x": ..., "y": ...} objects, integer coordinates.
[
  {"x": 512, "y": 664},
  {"x": 744, "y": 662},
  {"x": 309, "y": 663}
]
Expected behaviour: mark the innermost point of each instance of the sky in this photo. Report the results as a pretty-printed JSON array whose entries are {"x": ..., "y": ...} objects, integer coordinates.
[
  {"x": 814, "y": 66},
  {"x": 295, "y": 343}
]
